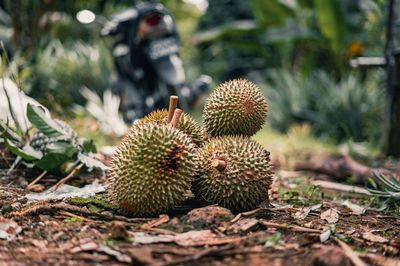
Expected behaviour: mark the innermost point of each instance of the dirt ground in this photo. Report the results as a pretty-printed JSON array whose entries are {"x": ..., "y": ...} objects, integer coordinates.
[{"x": 302, "y": 225}]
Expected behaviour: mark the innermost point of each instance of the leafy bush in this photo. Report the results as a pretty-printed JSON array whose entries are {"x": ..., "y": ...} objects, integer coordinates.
[
  {"x": 61, "y": 71},
  {"x": 344, "y": 109}
]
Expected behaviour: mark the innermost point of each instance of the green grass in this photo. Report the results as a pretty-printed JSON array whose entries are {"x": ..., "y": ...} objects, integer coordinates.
[{"x": 297, "y": 144}]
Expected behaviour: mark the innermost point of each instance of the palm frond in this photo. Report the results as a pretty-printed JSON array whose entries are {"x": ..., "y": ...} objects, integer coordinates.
[{"x": 388, "y": 186}]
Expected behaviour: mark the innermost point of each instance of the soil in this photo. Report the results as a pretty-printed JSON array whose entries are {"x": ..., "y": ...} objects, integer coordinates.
[{"x": 302, "y": 225}]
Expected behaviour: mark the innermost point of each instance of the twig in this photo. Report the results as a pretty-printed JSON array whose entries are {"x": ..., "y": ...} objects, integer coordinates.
[
  {"x": 65, "y": 213},
  {"x": 175, "y": 119},
  {"x": 173, "y": 103},
  {"x": 295, "y": 228},
  {"x": 154, "y": 223},
  {"x": 14, "y": 165},
  {"x": 36, "y": 180},
  {"x": 218, "y": 164},
  {"x": 47, "y": 207},
  {"x": 68, "y": 177},
  {"x": 349, "y": 252},
  {"x": 248, "y": 213},
  {"x": 341, "y": 187},
  {"x": 197, "y": 256}
]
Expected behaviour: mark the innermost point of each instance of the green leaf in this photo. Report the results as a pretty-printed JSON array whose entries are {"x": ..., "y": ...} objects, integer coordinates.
[
  {"x": 62, "y": 148},
  {"x": 88, "y": 146},
  {"x": 56, "y": 154},
  {"x": 7, "y": 132},
  {"x": 27, "y": 153},
  {"x": 91, "y": 162},
  {"x": 331, "y": 22},
  {"x": 45, "y": 124},
  {"x": 51, "y": 161},
  {"x": 272, "y": 12},
  {"x": 231, "y": 28}
]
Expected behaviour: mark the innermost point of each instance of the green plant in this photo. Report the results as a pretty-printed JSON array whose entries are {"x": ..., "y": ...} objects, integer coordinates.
[
  {"x": 61, "y": 71},
  {"x": 62, "y": 148},
  {"x": 386, "y": 189},
  {"x": 302, "y": 35},
  {"x": 342, "y": 110},
  {"x": 54, "y": 144},
  {"x": 386, "y": 186}
]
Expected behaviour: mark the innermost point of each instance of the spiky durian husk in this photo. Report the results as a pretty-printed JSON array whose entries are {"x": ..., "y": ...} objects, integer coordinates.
[
  {"x": 152, "y": 169},
  {"x": 245, "y": 181},
  {"x": 186, "y": 123},
  {"x": 236, "y": 107},
  {"x": 40, "y": 141}
]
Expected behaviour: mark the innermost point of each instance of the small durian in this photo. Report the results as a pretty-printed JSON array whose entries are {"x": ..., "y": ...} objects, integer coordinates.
[
  {"x": 236, "y": 107},
  {"x": 235, "y": 173},
  {"x": 152, "y": 169},
  {"x": 186, "y": 124}
]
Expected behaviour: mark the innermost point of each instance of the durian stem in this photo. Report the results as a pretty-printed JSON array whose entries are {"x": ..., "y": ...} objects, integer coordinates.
[
  {"x": 218, "y": 164},
  {"x": 175, "y": 119},
  {"x": 173, "y": 103}
]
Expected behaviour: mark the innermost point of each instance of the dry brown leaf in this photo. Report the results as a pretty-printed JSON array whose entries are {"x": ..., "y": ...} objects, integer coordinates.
[
  {"x": 194, "y": 238},
  {"x": 331, "y": 216},
  {"x": 374, "y": 238},
  {"x": 355, "y": 209},
  {"x": 9, "y": 229},
  {"x": 243, "y": 225}
]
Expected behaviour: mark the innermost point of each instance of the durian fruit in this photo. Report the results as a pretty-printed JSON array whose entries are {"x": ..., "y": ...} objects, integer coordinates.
[
  {"x": 40, "y": 141},
  {"x": 186, "y": 124},
  {"x": 236, "y": 107},
  {"x": 152, "y": 169},
  {"x": 235, "y": 173}
]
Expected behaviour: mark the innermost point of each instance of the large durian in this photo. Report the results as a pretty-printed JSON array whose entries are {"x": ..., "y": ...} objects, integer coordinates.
[
  {"x": 235, "y": 173},
  {"x": 236, "y": 107},
  {"x": 186, "y": 124},
  {"x": 152, "y": 169}
]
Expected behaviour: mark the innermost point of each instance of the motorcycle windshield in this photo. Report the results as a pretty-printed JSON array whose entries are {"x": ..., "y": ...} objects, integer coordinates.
[{"x": 170, "y": 70}]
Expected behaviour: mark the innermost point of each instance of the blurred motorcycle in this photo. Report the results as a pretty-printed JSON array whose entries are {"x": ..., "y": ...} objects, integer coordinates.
[{"x": 146, "y": 54}]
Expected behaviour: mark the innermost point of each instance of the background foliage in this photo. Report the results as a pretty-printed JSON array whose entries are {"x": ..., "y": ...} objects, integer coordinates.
[{"x": 297, "y": 50}]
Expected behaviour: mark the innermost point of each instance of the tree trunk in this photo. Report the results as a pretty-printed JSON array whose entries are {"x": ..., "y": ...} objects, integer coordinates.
[{"x": 392, "y": 147}]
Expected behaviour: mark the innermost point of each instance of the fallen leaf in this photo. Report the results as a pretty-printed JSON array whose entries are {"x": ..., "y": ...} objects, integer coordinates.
[
  {"x": 302, "y": 213},
  {"x": 331, "y": 216},
  {"x": 374, "y": 238},
  {"x": 9, "y": 229},
  {"x": 243, "y": 225},
  {"x": 92, "y": 246},
  {"x": 355, "y": 209},
  {"x": 324, "y": 236},
  {"x": 67, "y": 191},
  {"x": 145, "y": 238},
  {"x": 315, "y": 207},
  {"x": 118, "y": 255},
  {"x": 309, "y": 224},
  {"x": 85, "y": 247},
  {"x": 194, "y": 238},
  {"x": 188, "y": 239}
]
